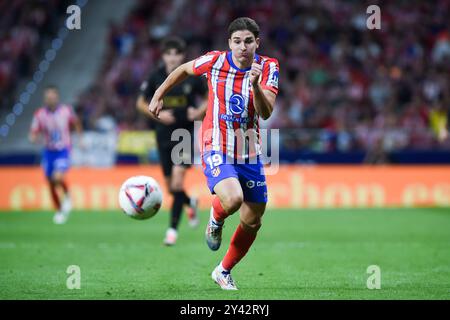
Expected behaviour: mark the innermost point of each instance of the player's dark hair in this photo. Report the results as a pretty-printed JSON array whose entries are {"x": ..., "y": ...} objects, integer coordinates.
[
  {"x": 173, "y": 43},
  {"x": 243, "y": 23},
  {"x": 51, "y": 87}
]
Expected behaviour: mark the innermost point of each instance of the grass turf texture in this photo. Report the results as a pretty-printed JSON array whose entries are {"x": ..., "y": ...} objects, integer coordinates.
[{"x": 299, "y": 254}]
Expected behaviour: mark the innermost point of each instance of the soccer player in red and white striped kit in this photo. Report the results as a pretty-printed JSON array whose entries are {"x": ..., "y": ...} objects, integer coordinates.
[{"x": 242, "y": 87}]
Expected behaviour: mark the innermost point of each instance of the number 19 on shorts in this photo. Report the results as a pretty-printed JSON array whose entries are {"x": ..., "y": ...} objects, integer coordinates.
[{"x": 214, "y": 160}]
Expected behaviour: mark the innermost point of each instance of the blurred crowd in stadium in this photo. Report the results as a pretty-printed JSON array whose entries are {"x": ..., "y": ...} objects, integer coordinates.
[
  {"x": 24, "y": 28},
  {"x": 343, "y": 87}
]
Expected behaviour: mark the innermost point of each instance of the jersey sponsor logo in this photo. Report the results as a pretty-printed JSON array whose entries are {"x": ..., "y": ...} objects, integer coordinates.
[
  {"x": 55, "y": 136},
  {"x": 229, "y": 117},
  {"x": 260, "y": 183},
  {"x": 237, "y": 103},
  {"x": 250, "y": 184}
]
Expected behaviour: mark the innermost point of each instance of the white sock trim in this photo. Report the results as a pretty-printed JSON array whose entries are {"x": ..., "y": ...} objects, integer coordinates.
[
  {"x": 213, "y": 219},
  {"x": 217, "y": 222},
  {"x": 222, "y": 269}
]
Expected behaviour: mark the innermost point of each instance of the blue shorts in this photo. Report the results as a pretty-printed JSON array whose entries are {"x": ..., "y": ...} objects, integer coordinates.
[
  {"x": 55, "y": 160},
  {"x": 250, "y": 175}
]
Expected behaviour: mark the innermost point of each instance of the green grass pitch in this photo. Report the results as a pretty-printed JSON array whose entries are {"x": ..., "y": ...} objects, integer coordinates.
[{"x": 299, "y": 254}]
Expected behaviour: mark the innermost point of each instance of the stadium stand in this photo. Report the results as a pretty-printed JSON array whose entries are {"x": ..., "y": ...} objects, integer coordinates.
[
  {"x": 347, "y": 93},
  {"x": 343, "y": 88},
  {"x": 24, "y": 28}
]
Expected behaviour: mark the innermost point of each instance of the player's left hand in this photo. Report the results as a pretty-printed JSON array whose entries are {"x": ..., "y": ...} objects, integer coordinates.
[{"x": 255, "y": 73}]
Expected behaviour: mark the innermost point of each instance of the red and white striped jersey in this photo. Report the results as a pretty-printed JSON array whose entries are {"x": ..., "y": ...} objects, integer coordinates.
[
  {"x": 54, "y": 126},
  {"x": 231, "y": 124}
]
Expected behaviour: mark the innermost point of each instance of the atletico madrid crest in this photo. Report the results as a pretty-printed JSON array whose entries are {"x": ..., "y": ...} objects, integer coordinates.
[{"x": 215, "y": 172}]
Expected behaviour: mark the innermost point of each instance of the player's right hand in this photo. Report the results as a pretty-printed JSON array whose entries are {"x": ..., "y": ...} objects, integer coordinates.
[
  {"x": 155, "y": 106},
  {"x": 255, "y": 73}
]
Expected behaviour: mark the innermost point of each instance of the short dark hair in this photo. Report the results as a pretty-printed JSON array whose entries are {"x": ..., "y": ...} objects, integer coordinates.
[
  {"x": 173, "y": 43},
  {"x": 243, "y": 23},
  {"x": 51, "y": 87}
]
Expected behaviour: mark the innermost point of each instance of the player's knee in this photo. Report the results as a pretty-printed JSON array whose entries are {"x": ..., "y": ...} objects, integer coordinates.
[
  {"x": 233, "y": 202},
  {"x": 251, "y": 226},
  {"x": 54, "y": 180},
  {"x": 57, "y": 177}
]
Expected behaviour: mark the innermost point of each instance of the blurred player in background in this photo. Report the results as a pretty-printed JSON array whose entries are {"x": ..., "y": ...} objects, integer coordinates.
[
  {"x": 178, "y": 111},
  {"x": 54, "y": 122},
  {"x": 242, "y": 87}
]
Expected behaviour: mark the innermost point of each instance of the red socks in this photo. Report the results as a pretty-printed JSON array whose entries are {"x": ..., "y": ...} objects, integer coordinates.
[
  {"x": 240, "y": 243},
  {"x": 63, "y": 184},
  {"x": 55, "y": 196},
  {"x": 219, "y": 213}
]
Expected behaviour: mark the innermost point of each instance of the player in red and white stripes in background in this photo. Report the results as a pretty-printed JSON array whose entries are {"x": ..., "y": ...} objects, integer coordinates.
[
  {"x": 242, "y": 87},
  {"x": 53, "y": 122}
]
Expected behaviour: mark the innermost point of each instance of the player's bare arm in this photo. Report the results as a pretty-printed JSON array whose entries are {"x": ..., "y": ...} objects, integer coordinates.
[
  {"x": 175, "y": 77},
  {"x": 142, "y": 106},
  {"x": 264, "y": 100}
]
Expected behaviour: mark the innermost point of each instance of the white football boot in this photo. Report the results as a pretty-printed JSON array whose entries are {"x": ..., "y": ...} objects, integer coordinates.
[
  {"x": 66, "y": 206},
  {"x": 223, "y": 279},
  {"x": 171, "y": 237},
  {"x": 59, "y": 218},
  {"x": 62, "y": 216}
]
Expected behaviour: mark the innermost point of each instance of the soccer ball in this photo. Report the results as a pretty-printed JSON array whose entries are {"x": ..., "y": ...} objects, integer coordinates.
[{"x": 140, "y": 197}]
